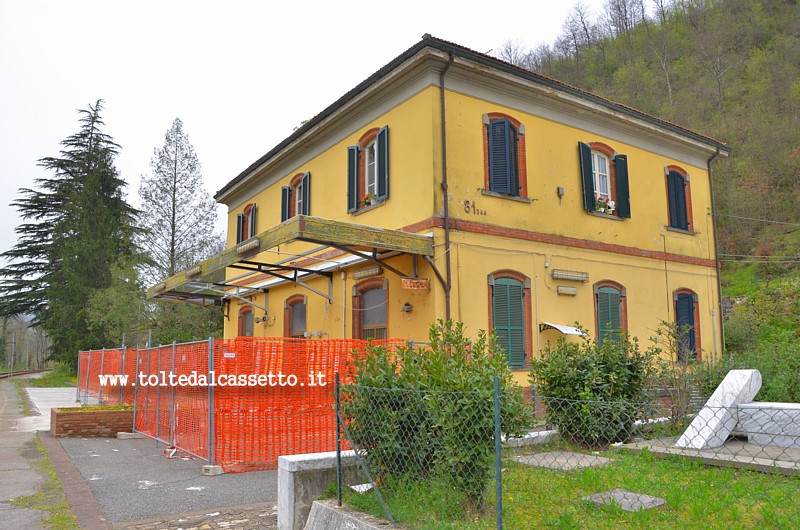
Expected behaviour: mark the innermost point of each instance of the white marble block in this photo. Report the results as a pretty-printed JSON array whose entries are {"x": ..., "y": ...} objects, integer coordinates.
[
  {"x": 771, "y": 423},
  {"x": 714, "y": 423}
]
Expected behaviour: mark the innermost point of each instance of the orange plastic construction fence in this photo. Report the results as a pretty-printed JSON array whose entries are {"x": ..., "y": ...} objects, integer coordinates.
[{"x": 239, "y": 403}]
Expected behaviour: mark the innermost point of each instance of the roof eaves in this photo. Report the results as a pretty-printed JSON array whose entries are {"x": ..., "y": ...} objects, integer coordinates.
[{"x": 485, "y": 60}]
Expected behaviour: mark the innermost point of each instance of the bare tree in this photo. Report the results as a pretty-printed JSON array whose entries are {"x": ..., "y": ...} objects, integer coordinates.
[
  {"x": 513, "y": 52},
  {"x": 177, "y": 212}
]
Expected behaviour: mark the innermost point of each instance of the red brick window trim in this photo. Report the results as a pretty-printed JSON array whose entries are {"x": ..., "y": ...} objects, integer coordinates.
[
  {"x": 246, "y": 324},
  {"x": 688, "y": 191},
  {"x": 526, "y": 305},
  {"x": 358, "y": 302},
  {"x": 522, "y": 166},
  {"x": 288, "y": 312},
  {"x": 368, "y": 137},
  {"x": 695, "y": 316},
  {"x": 623, "y": 305}
]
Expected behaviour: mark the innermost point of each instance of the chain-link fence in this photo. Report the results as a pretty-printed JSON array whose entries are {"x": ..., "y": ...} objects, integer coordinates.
[{"x": 431, "y": 460}]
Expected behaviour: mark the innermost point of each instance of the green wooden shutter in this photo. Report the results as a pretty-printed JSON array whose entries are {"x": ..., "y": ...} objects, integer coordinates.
[
  {"x": 306, "y": 191},
  {"x": 286, "y": 195},
  {"x": 676, "y": 192},
  {"x": 587, "y": 181},
  {"x": 684, "y": 316},
  {"x": 508, "y": 315},
  {"x": 352, "y": 179},
  {"x": 503, "y": 157},
  {"x": 239, "y": 228},
  {"x": 383, "y": 163},
  {"x": 623, "y": 188},
  {"x": 609, "y": 319}
]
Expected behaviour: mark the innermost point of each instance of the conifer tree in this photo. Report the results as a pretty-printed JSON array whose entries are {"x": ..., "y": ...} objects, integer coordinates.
[{"x": 77, "y": 224}]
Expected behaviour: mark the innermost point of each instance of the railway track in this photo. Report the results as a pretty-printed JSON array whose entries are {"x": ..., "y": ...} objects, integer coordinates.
[{"x": 4, "y": 375}]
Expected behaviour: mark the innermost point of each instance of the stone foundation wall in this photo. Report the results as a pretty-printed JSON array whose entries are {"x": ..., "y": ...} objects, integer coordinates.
[{"x": 90, "y": 423}]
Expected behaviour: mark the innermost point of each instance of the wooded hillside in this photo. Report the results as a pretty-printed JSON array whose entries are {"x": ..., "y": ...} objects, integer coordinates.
[{"x": 726, "y": 68}]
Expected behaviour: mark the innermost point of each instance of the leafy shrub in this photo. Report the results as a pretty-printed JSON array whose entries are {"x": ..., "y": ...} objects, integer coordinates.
[
  {"x": 592, "y": 390},
  {"x": 429, "y": 410}
]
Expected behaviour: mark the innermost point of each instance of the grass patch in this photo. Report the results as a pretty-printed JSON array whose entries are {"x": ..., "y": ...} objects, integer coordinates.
[
  {"x": 91, "y": 408},
  {"x": 697, "y": 496},
  {"x": 738, "y": 280},
  {"x": 60, "y": 376},
  {"x": 50, "y": 499}
]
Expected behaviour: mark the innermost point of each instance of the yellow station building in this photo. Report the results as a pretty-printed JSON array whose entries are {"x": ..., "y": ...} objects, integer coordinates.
[{"x": 450, "y": 184}]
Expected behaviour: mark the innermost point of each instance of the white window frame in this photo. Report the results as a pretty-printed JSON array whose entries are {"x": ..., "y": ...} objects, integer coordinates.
[
  {"x": 371, "y": 168},
  {"x": 298, "y": 198},
  {"x": 601, "y": 179}
]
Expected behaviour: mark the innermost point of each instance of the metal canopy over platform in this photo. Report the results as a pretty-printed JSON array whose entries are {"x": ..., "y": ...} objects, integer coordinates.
[{"x": 206, "y": 283}]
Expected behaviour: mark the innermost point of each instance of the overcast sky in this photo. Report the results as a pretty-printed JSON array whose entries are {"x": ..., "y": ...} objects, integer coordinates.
[{"x": 240, "y": 74}]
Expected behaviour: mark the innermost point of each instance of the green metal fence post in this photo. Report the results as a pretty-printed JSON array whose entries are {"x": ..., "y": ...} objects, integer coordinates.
[{"x": 498, "y": 460}]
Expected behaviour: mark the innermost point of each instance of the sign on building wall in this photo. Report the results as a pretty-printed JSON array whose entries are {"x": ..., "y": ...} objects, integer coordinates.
[{"x": 416, "y": 284}]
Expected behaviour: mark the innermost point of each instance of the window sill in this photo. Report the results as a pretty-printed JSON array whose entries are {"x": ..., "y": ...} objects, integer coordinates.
[
  {"x": 367, "y": 208},
  {"x": 489, "y": 193},
  {"x": 606, "y": 216},
  {"x": 681, "y": 231},
  {"x": 520, "y": 368}
]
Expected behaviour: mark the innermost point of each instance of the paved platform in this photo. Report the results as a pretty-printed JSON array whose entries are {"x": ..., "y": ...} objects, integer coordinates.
[
  {"x": 733, "y": 453},
  {"x": 132, "y": 480},
  {"x": 18, "y": 451},
  {"x": 42, "y": 400}
]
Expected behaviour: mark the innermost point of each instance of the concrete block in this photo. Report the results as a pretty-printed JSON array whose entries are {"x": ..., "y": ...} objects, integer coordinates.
[
  {"x": 626, "y": 500},
  {"x": 211, "y": 471},
  {"x": 767, "y": 423},
  {"x": 130, "y": 436},
  {"x": 325, "y": 515},
  {"x": 302, "y": 479},
  {"x": 717, "y": 419},
  {"x": 563, "y": 460}
]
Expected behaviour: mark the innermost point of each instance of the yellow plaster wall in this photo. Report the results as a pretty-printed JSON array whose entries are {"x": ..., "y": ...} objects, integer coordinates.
[
  {"x": 411, "y": 194},
  {"x": 552, "y": 161}
]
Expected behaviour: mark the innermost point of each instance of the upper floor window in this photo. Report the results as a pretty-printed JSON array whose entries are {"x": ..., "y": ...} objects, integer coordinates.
[
  {"x": 294, "y": 316},
  {"x": 604, "y": 178},
  {"x": 296, "y": 197},
  {"x": 368, "y": 170},
  {"x": 504, "y": 146},
  {"x": 369, "y": 309},
  {"x": 610, "y": 304},
  {"x": 679, "y": 198},
  {"x": 246, "y": 322},
  {"x": 246, "y": 223},
  {"x": 687, "y": 321},
  {"x": 510, "y": 314}
]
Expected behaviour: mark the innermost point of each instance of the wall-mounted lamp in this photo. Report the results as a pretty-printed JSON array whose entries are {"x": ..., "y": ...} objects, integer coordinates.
[{"x": 407, "y": 307}]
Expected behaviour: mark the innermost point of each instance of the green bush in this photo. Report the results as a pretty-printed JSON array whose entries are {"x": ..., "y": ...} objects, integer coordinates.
[
  {"x": 429, "y": 410},
  {"x": 777, "y": 357},
  {"x": 592, "y": 391}
]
